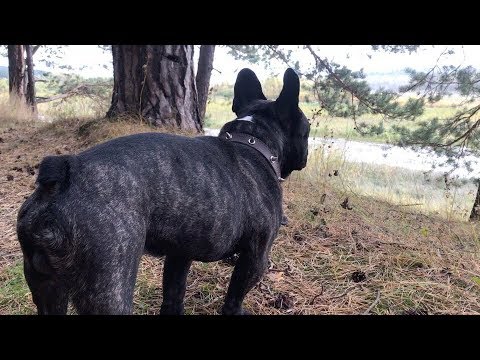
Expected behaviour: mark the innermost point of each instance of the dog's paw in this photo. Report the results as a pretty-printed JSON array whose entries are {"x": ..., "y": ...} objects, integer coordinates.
[
  {"x": 240, "y": 311},
  {"x": 245, "y": 312},
  {"x": 171, "y": 310}
]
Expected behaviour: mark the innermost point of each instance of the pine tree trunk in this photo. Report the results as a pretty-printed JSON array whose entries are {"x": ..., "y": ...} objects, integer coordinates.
[
  {"x": 16, "y": 74},
  {"x": 155, "y": 82},
  {"x": 30, "y": 94},
  {"x": 475, "y": 213},
  {"x": 204, "y": 72}
]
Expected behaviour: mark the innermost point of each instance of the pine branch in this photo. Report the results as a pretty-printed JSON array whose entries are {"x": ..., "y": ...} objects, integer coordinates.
[
  {"x": 463, "y": 138},
  {"x": 35, "y": 48},
  {"x": 343, "y": 85}
]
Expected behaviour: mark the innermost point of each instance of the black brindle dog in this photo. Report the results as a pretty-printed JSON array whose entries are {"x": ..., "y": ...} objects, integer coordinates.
[{"x": 92, "y": 216}]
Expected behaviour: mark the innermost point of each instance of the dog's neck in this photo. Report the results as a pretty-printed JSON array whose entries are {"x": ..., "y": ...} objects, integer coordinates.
[
  {"x": 266, "y": 132},
  {"x": 258, "y": 145}
]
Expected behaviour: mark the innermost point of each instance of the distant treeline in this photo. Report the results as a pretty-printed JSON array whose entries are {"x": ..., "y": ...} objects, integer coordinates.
[{"x": 377, "y": 80}]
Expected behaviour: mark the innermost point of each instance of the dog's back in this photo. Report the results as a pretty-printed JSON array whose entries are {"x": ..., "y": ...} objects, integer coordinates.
[{"x": 188, "y": 194}]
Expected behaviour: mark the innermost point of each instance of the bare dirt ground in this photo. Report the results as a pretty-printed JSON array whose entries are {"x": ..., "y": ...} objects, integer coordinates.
[{"x": 358, "y": 256}]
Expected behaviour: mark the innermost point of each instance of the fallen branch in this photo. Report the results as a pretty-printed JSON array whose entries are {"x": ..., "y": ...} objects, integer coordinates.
[
  {"x": 417, "y": 204},
  {"x": 55, "y": 97},
  {"x": 83, "y": 89}
]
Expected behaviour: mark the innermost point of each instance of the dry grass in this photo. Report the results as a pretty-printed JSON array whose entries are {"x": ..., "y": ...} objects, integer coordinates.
[
  {"x": 14, "y": 112},
  {"x": 328, "y": 260},
  {"x": 424, "y": 192}
]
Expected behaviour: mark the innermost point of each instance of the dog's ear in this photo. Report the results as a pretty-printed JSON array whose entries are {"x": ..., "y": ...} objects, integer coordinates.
[
  {"x": 247, "y": 89},
  {"x": 288, "y": 98}
]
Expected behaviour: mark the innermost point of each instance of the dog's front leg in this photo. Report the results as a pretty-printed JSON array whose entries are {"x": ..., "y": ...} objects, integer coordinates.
[
  {"x": 248, "y": 271},
  {"x": 175, "y": 273}
]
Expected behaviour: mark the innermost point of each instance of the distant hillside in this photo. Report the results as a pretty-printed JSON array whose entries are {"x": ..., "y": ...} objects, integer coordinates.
[
  {"x": 4, "y": 72},
  {"x": 387, "y": 80},
  {"x": 392, "y": 80}
]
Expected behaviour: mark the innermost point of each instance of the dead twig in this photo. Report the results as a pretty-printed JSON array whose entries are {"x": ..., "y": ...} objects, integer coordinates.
[
  {"x": 344, "y": 293},
  {"x": 316, "y": 296},
  {"x": 367, "y": 312}
]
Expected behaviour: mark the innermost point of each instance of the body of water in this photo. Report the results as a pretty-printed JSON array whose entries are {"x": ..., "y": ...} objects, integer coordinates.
[{"x": 395, "y": 156}]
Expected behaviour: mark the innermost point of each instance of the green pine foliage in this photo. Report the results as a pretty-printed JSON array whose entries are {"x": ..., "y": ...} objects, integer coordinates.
[{"x": 344, "y": 93}]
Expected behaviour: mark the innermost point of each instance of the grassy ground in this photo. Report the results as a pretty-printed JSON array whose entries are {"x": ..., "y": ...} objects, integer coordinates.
[
  {"x": 336, "y": 256},
  {"x": 219, "y": 112},
  {"x": 75, "y": 107},
  {"x": 423, "y": 192}
]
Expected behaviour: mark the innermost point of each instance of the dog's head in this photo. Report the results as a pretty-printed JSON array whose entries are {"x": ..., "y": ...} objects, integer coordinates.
[{"x": 282, "y": 116}]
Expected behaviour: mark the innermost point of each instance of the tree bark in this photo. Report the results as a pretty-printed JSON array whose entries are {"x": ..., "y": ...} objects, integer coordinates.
[
  {"x": 475, "y": 213},
  {"x": 157, "y": 83},
  {"x": 204, "y": 72},
  {"x": 16, "y": 74},
  {"x": 30, "y": 95},
  {"x": 35, "y": 49}
]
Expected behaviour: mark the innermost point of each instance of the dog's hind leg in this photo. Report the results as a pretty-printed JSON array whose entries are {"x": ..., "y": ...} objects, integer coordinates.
[
  {"x": 48, "y": 294},
  {"x": 107, "y": 281},
  {"x": 53, "y": 300},
  {"x": 108, "y": 293},
  {"x": 248, "y": 271},
  {"x": 175, "y": 273}
]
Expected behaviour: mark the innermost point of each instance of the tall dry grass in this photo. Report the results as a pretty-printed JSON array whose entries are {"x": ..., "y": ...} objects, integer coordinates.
[{"x": 14, "y": 112}]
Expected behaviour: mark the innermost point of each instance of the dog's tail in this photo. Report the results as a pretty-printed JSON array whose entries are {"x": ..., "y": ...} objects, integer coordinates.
[
  {"x": 43, "y": 230},
  {"x": 54, "y": 174}
]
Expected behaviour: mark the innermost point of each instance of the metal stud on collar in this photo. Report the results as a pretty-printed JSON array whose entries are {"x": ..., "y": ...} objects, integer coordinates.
[
  {"x": 273, "y": 158},
  {"x": 251, "y": 141},
  {"x": 228, "y": 136}
]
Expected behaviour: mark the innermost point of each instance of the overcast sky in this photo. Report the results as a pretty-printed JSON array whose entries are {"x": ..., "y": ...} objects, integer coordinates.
[{"x": 96, "y": 62}]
